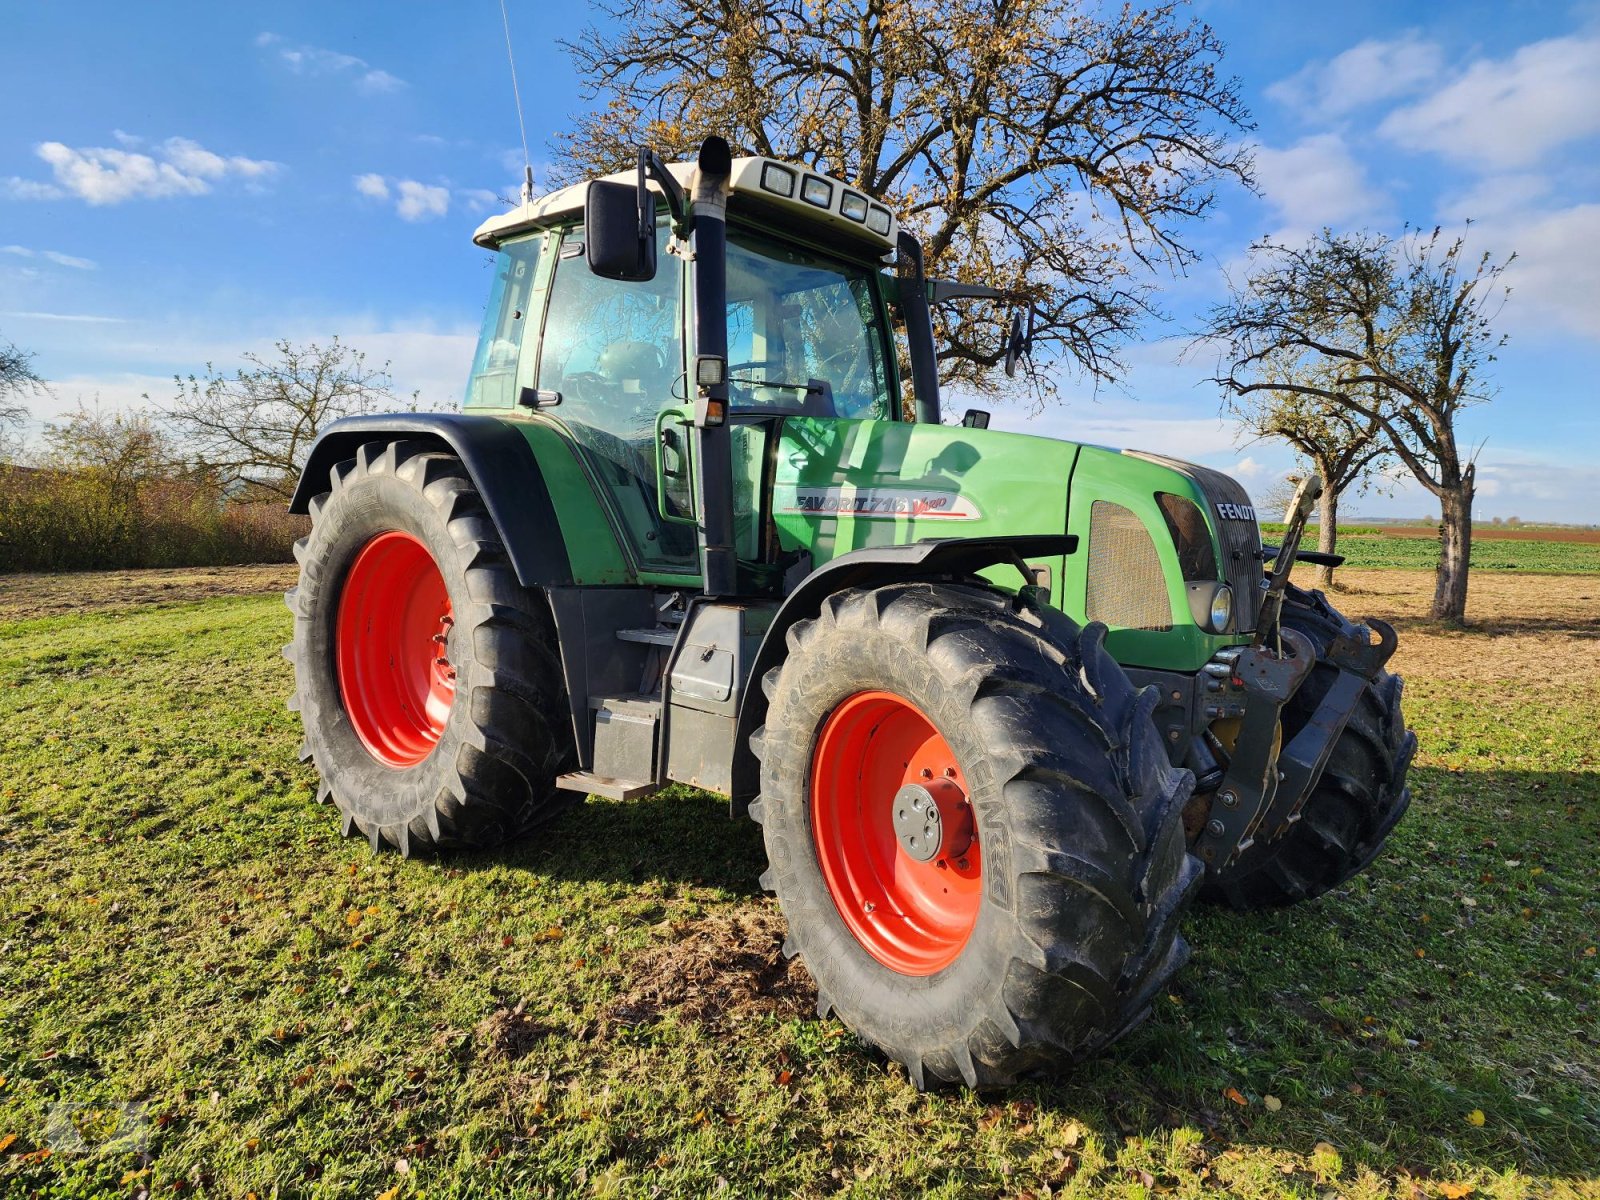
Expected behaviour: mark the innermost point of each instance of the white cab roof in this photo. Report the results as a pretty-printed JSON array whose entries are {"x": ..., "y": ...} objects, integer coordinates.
[{"x": 832, "y": 204}]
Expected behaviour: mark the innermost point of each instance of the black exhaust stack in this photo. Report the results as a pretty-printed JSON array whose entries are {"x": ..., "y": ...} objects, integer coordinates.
[
  {"x": 713, "y": 442},
  {"x": 919, "y": 329}
]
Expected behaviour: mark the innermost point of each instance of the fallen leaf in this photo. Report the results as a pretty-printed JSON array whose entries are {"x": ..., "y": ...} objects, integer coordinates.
[
  {"x": 1420, "y": 952},
  {"x": 353, "y": 917},
  {"x": 1236, "y": 1096},
  {"x": 1272, "y": 1102},
  {"x": 1072, "y": 1135},
  {"x": 1324, "y": 1148},
  {"x": 5, "y": 1141},
  {"x": 1456, "y": 1191},
  {"x": 1476, "y": 1118},
  {"x": 784, "y": 1077},
  {"x": 554, "y": 933}
]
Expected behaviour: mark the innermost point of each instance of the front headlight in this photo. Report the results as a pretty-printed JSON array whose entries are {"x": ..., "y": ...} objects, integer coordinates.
[
  {"x": 1221, "y": 609},
  {"x": 1211, "y": 605}
]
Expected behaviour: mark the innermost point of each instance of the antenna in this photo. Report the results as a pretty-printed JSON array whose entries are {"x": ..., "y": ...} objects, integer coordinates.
[{"x": 527, "y": 160}]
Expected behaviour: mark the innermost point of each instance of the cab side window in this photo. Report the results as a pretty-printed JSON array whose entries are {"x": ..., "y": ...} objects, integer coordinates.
[
  {"x": 493, "y": 383},
  {"x": 614, "y": 351}
]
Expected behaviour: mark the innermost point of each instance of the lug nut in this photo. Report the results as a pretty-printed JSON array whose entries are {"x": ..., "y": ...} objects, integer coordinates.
[{"x": 1215, "y": 828}]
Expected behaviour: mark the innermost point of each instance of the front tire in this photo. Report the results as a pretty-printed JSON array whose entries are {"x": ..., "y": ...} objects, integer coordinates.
[
  {"x": 1052, "y": 919},
  {"x": 426, "y": 676},
  {"x": 1359, "y": 797}
]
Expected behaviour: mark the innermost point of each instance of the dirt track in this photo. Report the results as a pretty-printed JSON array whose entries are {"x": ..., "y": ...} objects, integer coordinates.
[
  {"x": 39, "y": 595},
  {"x": 1538, "y": 628}
]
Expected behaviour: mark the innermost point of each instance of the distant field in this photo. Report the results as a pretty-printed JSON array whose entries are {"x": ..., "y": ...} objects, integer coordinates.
[{"x": 1542, "y": 551}]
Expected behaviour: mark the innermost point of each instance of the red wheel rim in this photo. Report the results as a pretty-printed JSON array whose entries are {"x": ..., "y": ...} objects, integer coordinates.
[
  {"x": 913, "y": 917},
  {"x": 392, "y": 650}
]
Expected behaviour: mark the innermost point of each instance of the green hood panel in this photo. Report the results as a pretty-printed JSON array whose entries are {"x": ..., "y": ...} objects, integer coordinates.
[{"x": 846, "y": 485}]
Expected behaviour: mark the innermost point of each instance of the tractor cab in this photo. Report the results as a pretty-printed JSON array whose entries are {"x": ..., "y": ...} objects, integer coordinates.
[{"x": 609, "y": 360}]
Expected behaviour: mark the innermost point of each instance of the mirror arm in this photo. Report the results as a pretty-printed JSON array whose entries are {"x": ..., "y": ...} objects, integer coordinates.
[{"x": 651, "y": 167}]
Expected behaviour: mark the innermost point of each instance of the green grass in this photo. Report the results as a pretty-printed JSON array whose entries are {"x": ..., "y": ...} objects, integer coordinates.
[
  {"x": 1369, "y": 546},
  {"x": 181, "y": 927}
]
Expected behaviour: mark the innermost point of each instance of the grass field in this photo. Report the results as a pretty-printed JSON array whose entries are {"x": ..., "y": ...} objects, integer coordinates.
[
  {"x": 604, "y": 1011},
  {"x": 1494, "y": 548}
]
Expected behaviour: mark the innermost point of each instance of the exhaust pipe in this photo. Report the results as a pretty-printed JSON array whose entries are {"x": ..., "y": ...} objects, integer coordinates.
[{"x": 713, "y": 441}]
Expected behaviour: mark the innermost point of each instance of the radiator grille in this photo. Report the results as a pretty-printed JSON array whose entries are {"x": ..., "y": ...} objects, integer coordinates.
[
  {"x": 1240, "y": 539},
  {"x": 1126, "y": 587}
]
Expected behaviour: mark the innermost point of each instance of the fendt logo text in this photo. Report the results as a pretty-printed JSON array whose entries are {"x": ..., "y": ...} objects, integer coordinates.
[{"x": 1236, "y": 512}]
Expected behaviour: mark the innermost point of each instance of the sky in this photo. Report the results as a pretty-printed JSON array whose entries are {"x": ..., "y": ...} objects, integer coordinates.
[{"x": 182, "y": 183}]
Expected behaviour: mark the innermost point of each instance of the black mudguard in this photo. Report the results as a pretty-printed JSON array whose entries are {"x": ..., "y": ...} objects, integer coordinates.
[
  {"x": 948, "y": 559},
  {"x": 496, "y": 456}
]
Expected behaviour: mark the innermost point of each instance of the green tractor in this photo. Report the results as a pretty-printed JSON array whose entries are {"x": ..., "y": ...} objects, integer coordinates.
[{"x": 1001, "y": 704}]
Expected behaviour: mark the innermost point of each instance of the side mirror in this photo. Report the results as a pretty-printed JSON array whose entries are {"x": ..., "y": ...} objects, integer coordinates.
[
  {"x": 1018, "y": 342},
  {"x": 619, "y": 234}
]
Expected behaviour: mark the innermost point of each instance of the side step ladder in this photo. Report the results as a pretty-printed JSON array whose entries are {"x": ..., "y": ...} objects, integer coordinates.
[{"x": 624, "y": 748}]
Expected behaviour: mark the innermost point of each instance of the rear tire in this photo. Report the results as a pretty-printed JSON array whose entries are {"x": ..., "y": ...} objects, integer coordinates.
[
  {"x": 404, "y": 568},
  {"x": 1079, "y": 854},
  {"x": 1359, "y": 798}
]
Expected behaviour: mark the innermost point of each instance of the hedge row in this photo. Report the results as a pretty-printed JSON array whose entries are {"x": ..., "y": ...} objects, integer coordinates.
[{"x": 84, "y": 520}]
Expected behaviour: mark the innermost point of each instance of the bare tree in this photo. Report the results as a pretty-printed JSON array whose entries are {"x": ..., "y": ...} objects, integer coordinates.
[
  {"x": 1042, "y": 146},
  {"x": 17, "y": 378},
  {"x": 1402, "y": 334},
  {"x": 257, "y": 425},
  {"x": 125, "y": 450},
  {"x": 1345, "y": 447}
]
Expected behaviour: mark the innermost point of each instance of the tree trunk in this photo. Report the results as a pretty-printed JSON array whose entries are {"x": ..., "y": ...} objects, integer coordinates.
[
  {"x": 1455, "y": 553},
  {"x": 1327, "y": 532}
]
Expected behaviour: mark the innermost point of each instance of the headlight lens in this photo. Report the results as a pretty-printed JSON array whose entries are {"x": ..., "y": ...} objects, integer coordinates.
[{"x": 1221, "y": 609}]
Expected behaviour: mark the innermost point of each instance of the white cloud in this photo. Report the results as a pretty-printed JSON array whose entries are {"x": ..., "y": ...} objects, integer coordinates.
[
  {"x": 1508, "y": 113},
  {"x": 414, "y": 200},
  {"x": 372, "y": 186},
  {"x": 1248, "y": 468},
  {"x": 54, "y": 256},
  {"x": 315, "y": 60},
  {"x": 1317, "y": 182},
  {"x": 481, "y": 199},
  {"x": 84, "y": 318},
  {"x": 32, "y": 189},
  {"x": 420, "y": 201},
  {"x": 1366, "y": 73},
  {"x": 1555, "y": 280},
  {"x": 101, "y": 175}
]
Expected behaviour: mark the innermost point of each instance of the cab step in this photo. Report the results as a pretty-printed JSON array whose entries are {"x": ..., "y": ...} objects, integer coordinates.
[{"x": 603, "y": 785}]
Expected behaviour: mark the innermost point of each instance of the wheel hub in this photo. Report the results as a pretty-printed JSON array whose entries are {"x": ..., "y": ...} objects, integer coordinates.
[
  {"x": 933, "y": 820},
  {"x": 894, "y": 833},
  {"x": 392, "y": 640}
]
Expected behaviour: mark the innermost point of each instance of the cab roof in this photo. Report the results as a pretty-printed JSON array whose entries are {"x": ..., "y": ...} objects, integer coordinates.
[{"x": 781, "y": 190}]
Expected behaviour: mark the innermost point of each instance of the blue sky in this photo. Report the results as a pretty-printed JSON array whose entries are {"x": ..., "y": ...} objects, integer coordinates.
[{"x": 184, "y": 182}]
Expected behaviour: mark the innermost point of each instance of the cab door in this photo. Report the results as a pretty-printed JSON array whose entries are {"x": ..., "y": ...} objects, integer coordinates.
[{"x": 614, "y": 351}]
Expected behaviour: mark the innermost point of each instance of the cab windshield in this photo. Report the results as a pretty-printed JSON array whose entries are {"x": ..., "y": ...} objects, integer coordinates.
[{"x": 797, "y": 318}]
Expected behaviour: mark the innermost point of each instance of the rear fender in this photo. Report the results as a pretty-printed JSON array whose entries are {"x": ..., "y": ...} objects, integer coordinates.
[
  {"x": 499, "y": 462},
  {"x": 947, "y": 559}
]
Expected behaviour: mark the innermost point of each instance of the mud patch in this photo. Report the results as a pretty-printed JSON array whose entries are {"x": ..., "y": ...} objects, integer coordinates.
[
  {"x": 508, "y": 1034},
  {"x": 716, "y": 971}
]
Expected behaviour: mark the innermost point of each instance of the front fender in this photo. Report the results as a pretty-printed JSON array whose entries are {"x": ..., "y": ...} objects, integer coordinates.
[
  {"x": 499, "y": 462},
  {"x": 934, "y": 559}
]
